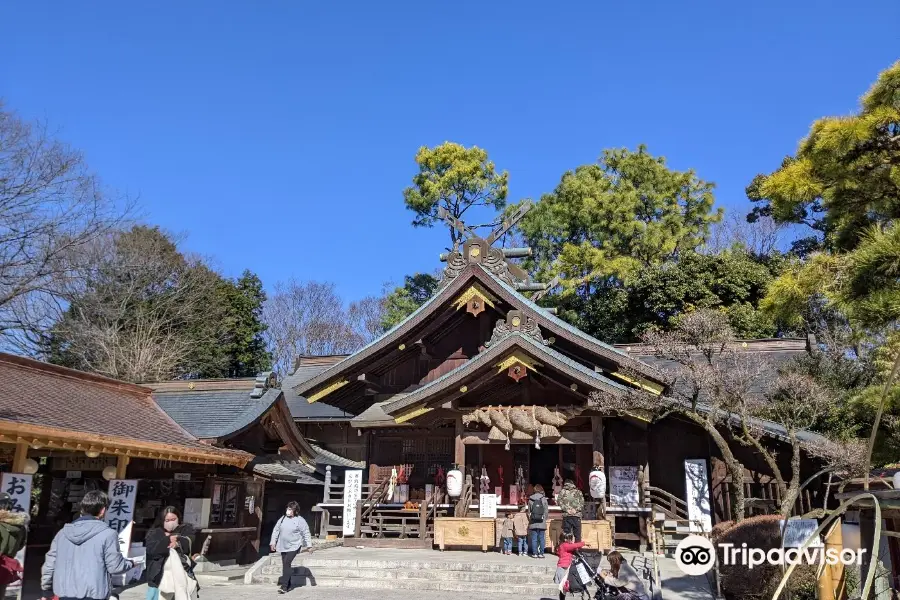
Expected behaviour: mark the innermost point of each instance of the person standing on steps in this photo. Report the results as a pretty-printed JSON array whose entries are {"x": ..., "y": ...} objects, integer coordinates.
[
  {"x": 571, "y": 502},
  {"x": 520, "y": 530},
  {"x": 290, "y": 535},
  {"x": 538, "y": 507}
]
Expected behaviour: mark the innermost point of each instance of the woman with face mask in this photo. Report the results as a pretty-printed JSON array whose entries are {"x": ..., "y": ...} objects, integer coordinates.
[
  {"x": 291, "y": 533},
  {"x": 169, "y": 532}
]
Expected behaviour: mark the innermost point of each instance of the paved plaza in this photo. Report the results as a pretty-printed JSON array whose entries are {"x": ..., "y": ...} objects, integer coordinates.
[{"x": 676, "y": 585}]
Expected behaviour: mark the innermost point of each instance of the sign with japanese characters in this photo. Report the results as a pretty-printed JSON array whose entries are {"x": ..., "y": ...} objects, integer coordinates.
[
  {"x": 487, "y": 504},
  {"x": 352, "y": 494},
  {"x": 120, "y": 514},
  {"x": 698, "y": 500},
  {"x": 623, "y": 486},
  {"x": 18, "y": 486}
]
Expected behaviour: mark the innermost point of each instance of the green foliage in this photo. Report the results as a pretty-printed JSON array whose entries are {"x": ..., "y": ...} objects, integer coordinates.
[
  {"x": 845, "y": 176},
  {"x": 245, "y": 347},
  {"x": 732, "y": 281},
  {"x": 455, "y": 178},
  {"x": 614, "y": 218},
  {"x": 404, "y": 300},
  {"x": 147, "y": 312}
]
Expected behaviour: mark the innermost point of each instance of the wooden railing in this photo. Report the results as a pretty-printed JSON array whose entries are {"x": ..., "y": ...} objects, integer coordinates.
[
  {"x": 672, "y": 505},
  {"x": 365, "y": 507}
]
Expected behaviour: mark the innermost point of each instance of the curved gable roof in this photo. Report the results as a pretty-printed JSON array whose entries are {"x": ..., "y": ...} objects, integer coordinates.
[
  {"x": 400, "y": 333},
  {"x": 497, "y": 351}
]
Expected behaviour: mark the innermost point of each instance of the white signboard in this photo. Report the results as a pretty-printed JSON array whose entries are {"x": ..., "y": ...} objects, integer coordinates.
[
  {"x": 623, "y": 486},
  {"x": 120, "y": 514},
  {"x": 18, "y": 486},
  {"x": 697, "y": 485},
  {"x": 488, "y": 505},
  {"x": 352, "y": 494},
  {"x": 798, "y": 531}
]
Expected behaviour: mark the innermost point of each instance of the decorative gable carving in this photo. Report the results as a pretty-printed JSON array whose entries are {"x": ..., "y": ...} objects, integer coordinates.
[{"x": 516, "y": 321}]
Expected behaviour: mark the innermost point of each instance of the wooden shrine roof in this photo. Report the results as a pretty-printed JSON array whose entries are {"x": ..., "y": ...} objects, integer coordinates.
[
  {"x": 547, "y": 356},
  {"x": 57, "y": 407},
  {"x": 219, "y": 412},
  {"x": 402, "y": 337}
]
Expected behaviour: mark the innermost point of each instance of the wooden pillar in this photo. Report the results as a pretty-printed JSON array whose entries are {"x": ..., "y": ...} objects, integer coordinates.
[
  {"x": 459, "y": 449},
  {"x": 121, "y": 466},
  {"x": 597, "y": 441},
  {"x": 20, "y": 457},
  {"x": 327, "y": 487},
  {"x": 867, "y": 541}
]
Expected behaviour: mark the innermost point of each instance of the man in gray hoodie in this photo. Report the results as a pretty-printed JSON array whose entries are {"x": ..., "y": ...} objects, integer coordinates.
[{"x": 84, "y": 555}]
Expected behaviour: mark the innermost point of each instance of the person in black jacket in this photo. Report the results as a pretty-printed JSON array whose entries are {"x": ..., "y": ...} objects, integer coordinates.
[{"x": 168, "y": 532}]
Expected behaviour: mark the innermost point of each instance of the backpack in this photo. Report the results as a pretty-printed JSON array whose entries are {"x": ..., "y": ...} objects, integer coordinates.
[{"x": 538, "y": 511}]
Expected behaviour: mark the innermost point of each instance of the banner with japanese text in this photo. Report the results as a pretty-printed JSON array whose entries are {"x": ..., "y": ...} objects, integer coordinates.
[
  {"x": 120, "y": 514},
  {"x": 352, "y": 494},
  {"x": 18, "y": 486}
]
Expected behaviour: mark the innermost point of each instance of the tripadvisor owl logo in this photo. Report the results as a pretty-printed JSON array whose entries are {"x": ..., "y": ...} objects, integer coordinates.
[{"x": 695, "y": 555}]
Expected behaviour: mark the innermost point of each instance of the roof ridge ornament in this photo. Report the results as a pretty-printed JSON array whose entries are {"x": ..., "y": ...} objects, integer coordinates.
[
  {"x": 264, "y": 381},
  {"x": 478, "y": 250},
  {"x": 516, "y": 322}
]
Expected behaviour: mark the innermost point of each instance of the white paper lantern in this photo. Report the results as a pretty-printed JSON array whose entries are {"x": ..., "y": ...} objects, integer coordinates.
[
  {"x": 897, "y": 480},
  {"x": 454, "y": 483},
  {"x": 31, "y": 467},
  {"x": 109, "y": 473},
  {"x": 597, "y": 483}
]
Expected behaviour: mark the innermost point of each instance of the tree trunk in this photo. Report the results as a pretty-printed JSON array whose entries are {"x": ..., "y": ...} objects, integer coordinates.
[
  {"x": 793, "y": 491},
  {"x": 734, "y": 466},
  {"x": 769, "y": 458}
]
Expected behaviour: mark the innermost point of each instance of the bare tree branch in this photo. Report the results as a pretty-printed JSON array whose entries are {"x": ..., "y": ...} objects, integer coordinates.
[{"x": 51, "y": 208}]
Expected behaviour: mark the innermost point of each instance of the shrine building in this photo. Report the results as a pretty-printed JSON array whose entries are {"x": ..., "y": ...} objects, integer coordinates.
[{"x": 482, "y": 377}]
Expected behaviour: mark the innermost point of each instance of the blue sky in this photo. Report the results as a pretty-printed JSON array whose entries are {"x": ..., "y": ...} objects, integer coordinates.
[{"x": 279, "y": 135}]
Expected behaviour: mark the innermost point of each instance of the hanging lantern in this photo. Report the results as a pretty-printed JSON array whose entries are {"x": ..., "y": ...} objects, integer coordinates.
[
  {"x": 30, "y": 467},
  {"x": 454, "y": 482},
  {"x": 597, "y": 483},
  {"x": 109, "y": 473}
]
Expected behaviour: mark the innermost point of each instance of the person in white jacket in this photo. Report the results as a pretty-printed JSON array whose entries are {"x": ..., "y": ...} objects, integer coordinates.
[{"x": 291, "y": 533}]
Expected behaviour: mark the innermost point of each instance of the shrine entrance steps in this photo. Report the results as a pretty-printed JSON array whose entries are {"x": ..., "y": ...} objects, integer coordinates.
[{"x": 419, "y": 570}]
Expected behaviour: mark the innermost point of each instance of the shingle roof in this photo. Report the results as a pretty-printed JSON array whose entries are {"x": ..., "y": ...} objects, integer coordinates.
[
  {"x": 302, "y": 410},
  {"x": 215, "y": 413},
  {"x": 278, "y": 469},
  {"x": 49, "y": 396},
  {"x": 327, "y": 457}
]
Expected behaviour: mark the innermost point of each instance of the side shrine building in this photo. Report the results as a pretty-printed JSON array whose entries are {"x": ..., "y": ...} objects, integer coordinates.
[{"x": 483, "y": 378}]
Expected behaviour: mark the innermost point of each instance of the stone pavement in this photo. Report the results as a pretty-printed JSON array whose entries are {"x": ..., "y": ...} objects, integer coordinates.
[{"x": 676, "y": 585}]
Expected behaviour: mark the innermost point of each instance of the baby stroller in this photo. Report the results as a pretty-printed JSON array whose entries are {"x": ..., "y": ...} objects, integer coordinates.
[{"x": 582, "y": 575}]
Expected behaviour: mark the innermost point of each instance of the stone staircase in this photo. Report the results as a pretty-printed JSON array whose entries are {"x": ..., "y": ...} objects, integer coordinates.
[
  {"x": 669, "y": 532},
  {"x": 423, "y": 571}
]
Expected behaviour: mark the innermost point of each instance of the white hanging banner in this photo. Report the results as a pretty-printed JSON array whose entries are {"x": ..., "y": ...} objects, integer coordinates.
[
  {"x": 120, "y": 516},
  {"x": 698, "y": 503},
  {"x": 18, "y": 486},
  {"x": 352, "y": 494}
]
